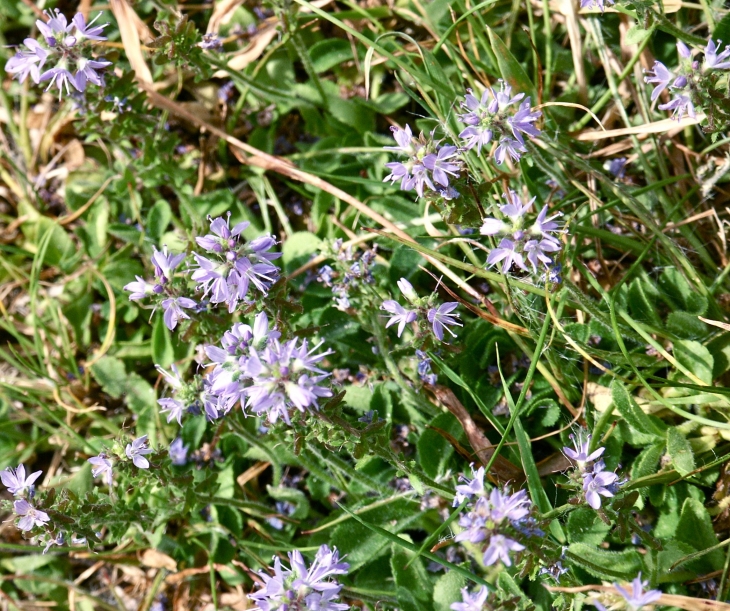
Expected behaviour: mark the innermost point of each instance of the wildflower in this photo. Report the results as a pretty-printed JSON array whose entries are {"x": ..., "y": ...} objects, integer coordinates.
[
  {"x": 492, "y": 114},
  {"x": 66, "y": 49},
  {"x": 102, "y": 466},
  {"x": 536, "y": 251},
  {"x": 210, "y": 41},
  {"x": 29, "y": 515},
  {"x": 400, "y": 315},
  {"x": 595, "y": 4},
  {"x": 499, "y": 549},
  {"x": 440, "y": 165},
  {"x": 15, "y": 480},
  {"x": 424, "y": 368},
  {"x": 178, "y": 452},
  {"x": 680, "y": 104},
  {"x": 471, "y": 488},
  {"x": 281, "y": 378},
  {"x": 136, "y": 451},
  {"x": 637, "y": 598},
  {"x": 139, "y": 289},
  {"x": 173, "y": 310},
  {"x": 599, "y": 483},
  {"x": 407, "y": 289},
  {"x": 235, "y": 264},
  {"x": 617, "y": 166},
  {"x": 506, "y": 253},
  {"x": 713, "y": 61},
  {"x": 661, "y": 76},
  {"x": 581, "y": 455},
  {"x": 165, "y": 264},
  {"x": 508, "y": 147},
  {"x": 441, "y": 318},
  {"x": 473, "y": 601},
  {"x": 303, "y": 587}
]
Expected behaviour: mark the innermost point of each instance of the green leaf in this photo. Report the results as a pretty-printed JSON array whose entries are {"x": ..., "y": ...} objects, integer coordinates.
[
  {"x": 640, "y": 306},
  {"x": 685, "y": 325},
  {"x": 584, "y": 526},
  {"x": 162, "y": 351},
  {"x": 680, "y": 451},
  {"x": 636, "y": 34},
  {"x": 410, "y": 576},
  {"x": 298, "y": 249},
  {"x": 722, "y": 28},
  {"x": 434, "y": 451},
  {"x": 605, "y": 564},
  {"x": 328, "y": 53},
  {"x": 512, "y": 71},
  {"x": 695, "y": 529},
  {"x": 447, "y": 590},
  {"x": 630, "y": 411},
  {"x": 158, "y": 219},
  {"x": 696, "y": 358},
  {"x": 646, "y": 462},
  {"x": 111, "y": 375}
]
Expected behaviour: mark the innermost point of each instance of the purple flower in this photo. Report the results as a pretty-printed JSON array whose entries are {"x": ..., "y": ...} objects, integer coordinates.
[
  {"x": 473, "y": 136},
  {"x": 400, "y": 315},
  {"x": 102, "y": 465},
  {"x": 27, "y": 62},
  {"x": 280, "y": 379},
  {"x": 617, "y": 166},
  {"x": 15, "y": 480},
  {"x": 471, "y": 601},
  {"x": 713, "y": 61},
  {"x": 680, "y": 104},
  {"x": 536, "y": 252},
  {"x": 595, "y": 3},
  {"x": 173, "y": 408},
  {"x": 178, "y": 452},
  {"x": 441, "y": 318},
  {"x": 499, "y": 548},
  {"x": 543, "y": 225},
  {"x": 507, "y": 254},
  {"x": 404, "y": 139},
  {"x": 471, "y": 487},
  {"x": 581, "y": 456},
  {"x": 441, "y": 166},
  {"x": 599, "y": 483},
  {"x": 139, "y": 289},
  {"x": 511, "y": 507},
  {"x": 659, "y": 75},
  {"x": 522, "y": 122},
  {"x": 165, "y": 264},
  {"x": 637, "y": 598},
  {"x": 508, "y": 147},
  {"x": 683, "y": 49},
  {"x": 301, "y": 586},
  {"x": 210, "y": 41},
  {"x": 84, "y": 30},
  {"x": 407, "y": 289},
  {"x": 56, "y": 28},
  {"x": 29, "y": 515},
  {"x": 136, "y": 451},
  {"x": 424, "y": 368},
  {"x": 173, "y": 310},
  {"x": 87, "y": 72},
  {"x": 61, "y": 78}
]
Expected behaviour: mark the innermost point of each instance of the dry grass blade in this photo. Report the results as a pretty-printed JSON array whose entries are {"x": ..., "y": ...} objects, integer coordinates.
[
  {"x": 127, "y": 21},
  {"x": 656, "y": 127},
  {"x": 252, "y": 52},
  {"x": 715, "y": 323}
]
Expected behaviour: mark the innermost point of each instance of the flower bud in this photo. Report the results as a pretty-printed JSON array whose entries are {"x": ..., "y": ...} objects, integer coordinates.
[{"x": 408, "y": 291}]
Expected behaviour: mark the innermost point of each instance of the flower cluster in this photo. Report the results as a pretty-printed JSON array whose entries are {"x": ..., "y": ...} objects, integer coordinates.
[
  {"x": 253, "y": 367},
  {"x": 493, "y": 116},
  {"x": 134, "y": 451},
  {"x": 490, "y": 516},
  {"x": 635, "y": 598},
  {"x": 596, "y": 481},
  {"x": 353, "y": 272},
  {"x": 303, "y": 587},
  {"x": 690, "y": 81},
  {"x": 535, "y": 244},
  {"x": 440, "y": 318},
  {"x": 232, "y": 265},
  {"x": 186, "y": 396},
  {"x": 428, "y": 166},
  {"x": 19, "y": 485},
  {"x": 63, "y": 51}
]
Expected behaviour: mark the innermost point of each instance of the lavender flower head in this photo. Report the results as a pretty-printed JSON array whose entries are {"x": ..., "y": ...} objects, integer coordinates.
[
  {"x": 303, "y": 587},
  {"x": 16, "y": 482},
  {"x": 102, "y": 466},
  {"x": 600, "y": 4},
  {"x": 178, "y": 452},
  {"x": 233, "y": 265},
  {"x": 29, "y": 515},
  {"x": 637, "y": 597},
  {"x": 581, "y": 455},
  {"x": 428, "y": 163},
  {"x": 713, "y": 60},
  {"x": 598, "y": 483},
  {"x": 521, "y": 245},
  {"x": 492, "y": 518},
  {"x": 136, "y": 452},
  {"x": 492, "y": 116},
  {"x": 64, "y": 47},
  {"x": 473, "y": 601},
  {"x": 399, "y": 315},
  {"x": 442, "y": 318}
]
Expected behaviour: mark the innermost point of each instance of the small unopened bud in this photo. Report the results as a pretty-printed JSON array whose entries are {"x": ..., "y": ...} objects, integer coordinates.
[{"x": 407, "y": 289}]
